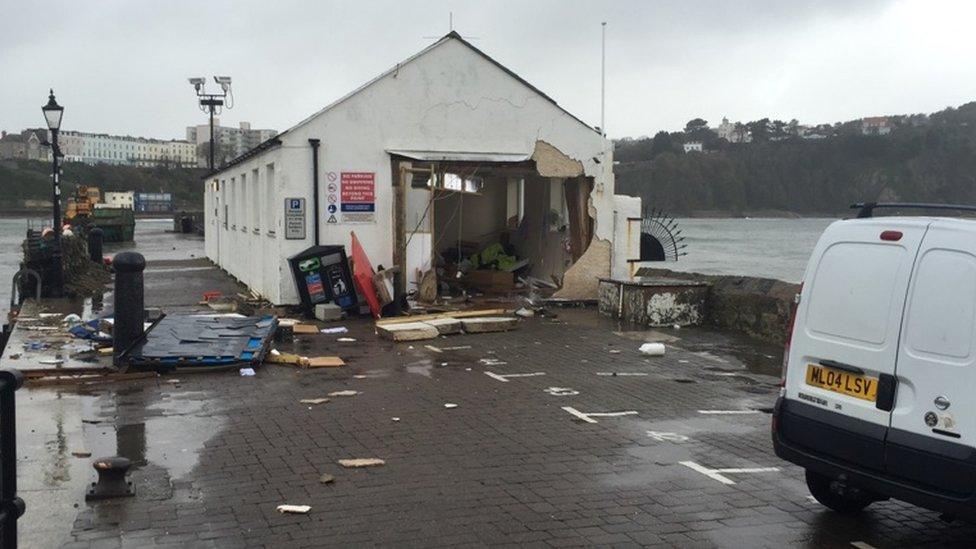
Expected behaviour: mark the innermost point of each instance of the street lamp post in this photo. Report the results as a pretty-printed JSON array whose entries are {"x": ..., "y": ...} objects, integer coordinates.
[
  {"x": 52, "y": 114},
  {"x": 212, "y": 103}
]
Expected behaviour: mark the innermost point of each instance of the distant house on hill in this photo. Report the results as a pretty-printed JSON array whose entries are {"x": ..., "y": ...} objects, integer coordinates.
[
  {"x": 733, "y": 132},
  {"x": 692, "y": 146},
  {"x": 876, "y": 125},
  {"x": 26, "y": 145}
]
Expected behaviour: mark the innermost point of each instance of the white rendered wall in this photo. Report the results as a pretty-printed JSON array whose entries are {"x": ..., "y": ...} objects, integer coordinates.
[{"x": 448, "y": 99}]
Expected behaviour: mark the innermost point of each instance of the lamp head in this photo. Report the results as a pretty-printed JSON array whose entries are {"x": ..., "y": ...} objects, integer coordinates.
[{"x": 52, "y": 113}]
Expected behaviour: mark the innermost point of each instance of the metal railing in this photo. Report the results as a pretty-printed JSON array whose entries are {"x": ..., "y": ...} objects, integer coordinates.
[{"x": 11, "y": 506}]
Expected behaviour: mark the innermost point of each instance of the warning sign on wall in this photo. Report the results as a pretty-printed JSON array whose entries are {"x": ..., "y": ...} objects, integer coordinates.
[{"x": 357, "y": 197}]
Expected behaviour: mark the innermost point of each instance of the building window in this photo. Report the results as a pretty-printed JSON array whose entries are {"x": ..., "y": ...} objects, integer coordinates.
[
  {"x": 270, "y": 205},
  {"x": 245, "y": 221}
]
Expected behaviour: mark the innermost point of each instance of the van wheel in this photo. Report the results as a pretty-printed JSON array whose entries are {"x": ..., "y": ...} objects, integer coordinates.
[{"x": 846, "y": 503}]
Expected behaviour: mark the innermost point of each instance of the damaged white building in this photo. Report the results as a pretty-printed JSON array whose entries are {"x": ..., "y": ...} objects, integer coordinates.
[{"x": 446, "y": 152}]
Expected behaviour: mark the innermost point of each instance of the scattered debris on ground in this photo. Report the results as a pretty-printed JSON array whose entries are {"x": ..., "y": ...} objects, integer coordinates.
[
  {"x": 487, "y": 324},
  {"x": 299, "y": 509},
  {"x": 326, "y": 478},
  {"x": 430, "y": 326},
  {"x": 347, "y": 393},
  {"x": 356, "y": 463},
  {"x": 313, "y": 400},
  {"x": 305, "y": 329},
  {"x": 325, "y": 362},
  {"x": 407, "y": 331},
  {"x": 450, "y": 405},
  {"x": 277, "y": 357},
  {"x": 652, "y": 349}
]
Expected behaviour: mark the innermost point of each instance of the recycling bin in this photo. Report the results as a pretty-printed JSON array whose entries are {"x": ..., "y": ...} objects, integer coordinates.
[{"x": 322, "y": 275}]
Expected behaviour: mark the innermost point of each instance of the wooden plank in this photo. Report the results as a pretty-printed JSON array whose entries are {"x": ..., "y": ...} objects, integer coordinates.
[
  {"x": 325, "y": 362},
  {"x": 88, "y": 379},
  {"x": 407, "y": 331},
  {"x": 446, "y": 326},
  {"x": 276, "y": 357},
  {"x": 489, "y": 324},
  {"x": 305, "y": 329},
  {"x": 448, "y": 314},
  {"x": 48, "y": 372}
]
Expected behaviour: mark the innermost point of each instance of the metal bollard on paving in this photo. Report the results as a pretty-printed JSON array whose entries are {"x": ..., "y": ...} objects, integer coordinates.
[
  {"x": 129, "y": 302},
  {"x": 112, "y": 482},
  {"x": 95, "y": 239}
]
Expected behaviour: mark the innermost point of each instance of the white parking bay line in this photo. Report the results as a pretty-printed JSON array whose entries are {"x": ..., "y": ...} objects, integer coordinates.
[
  {"x": 579, "y": 414},
  {"x": 504, "y": 377},
  {"x": 719, "y": 474},
  {"x": 862, "y": 545},
  {"x": 621, "y": 374},
  {"x": 588, "y": 416},
  {"x": 727, "y": 412}
]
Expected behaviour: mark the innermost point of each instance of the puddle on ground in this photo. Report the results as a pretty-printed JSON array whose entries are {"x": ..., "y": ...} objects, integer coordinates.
[
  {"x": 163, "y": 432},
  {"x": 420, "y": 367}
]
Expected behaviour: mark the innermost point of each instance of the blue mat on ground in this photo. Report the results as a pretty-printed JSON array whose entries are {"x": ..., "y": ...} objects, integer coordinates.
[{"x": 189, "y": 340}]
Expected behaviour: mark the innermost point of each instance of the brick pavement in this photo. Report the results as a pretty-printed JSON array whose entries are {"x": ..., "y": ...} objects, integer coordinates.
[{"x": 507, "y": 467}]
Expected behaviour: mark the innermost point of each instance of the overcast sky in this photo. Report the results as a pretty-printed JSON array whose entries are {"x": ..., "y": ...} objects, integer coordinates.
[{"x": 121, "y": 66}]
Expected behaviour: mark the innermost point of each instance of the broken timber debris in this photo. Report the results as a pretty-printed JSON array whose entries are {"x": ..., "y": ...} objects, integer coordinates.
[
  {"x": 305, "y": 329},
  {"x": 407, "y": 331},
  {"x": 325, "y": 362},
  {"x": 448, "y": 314},
  {"x": 488, "y": 324},
  {"x": 361, "y": 462},
  {"x": 299, "y": 509},
  {"x": 277, "y": 357},
  {"x": 445, "y": 326},
  {"x": 419, "y": 327}
]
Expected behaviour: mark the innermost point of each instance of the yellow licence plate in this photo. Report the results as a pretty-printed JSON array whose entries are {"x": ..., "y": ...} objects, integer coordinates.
[{"x": 845, "y": 383}]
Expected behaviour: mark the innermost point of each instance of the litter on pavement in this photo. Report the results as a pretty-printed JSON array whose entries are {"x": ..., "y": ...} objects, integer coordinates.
[
  {"x": 652, "y": 349},
  {"x": 356, "y": 463}
]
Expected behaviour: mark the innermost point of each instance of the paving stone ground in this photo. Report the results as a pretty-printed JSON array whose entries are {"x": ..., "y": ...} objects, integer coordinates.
[{"x": 216, "y": 452}]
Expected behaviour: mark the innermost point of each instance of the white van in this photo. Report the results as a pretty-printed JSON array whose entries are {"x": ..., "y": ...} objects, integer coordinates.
[{"x": 879, "y": 375}]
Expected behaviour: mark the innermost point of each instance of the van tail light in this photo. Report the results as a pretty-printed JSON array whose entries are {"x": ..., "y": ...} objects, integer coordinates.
[
  {"x": 891, "y": 236},
  {"x": 789, "y": 336}
]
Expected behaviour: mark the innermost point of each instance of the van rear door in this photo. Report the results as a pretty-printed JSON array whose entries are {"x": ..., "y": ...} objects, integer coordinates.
[
  {"x": 845, "y": 343},
  {"x": 933, "y": 424}
]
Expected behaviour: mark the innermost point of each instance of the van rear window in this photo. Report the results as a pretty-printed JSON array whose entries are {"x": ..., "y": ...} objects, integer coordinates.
[
  {"x": 852, "y": 291},
  {"x": 943, "y": 304}
]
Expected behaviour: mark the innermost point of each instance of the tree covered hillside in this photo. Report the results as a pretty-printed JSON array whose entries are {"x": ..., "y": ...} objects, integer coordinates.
[
  {"x": 22, "y": 180},
  {"x": 923, "y": 159}
]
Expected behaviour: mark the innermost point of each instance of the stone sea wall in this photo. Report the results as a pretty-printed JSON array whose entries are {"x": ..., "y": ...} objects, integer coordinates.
[{"x": 758, "y": 307}]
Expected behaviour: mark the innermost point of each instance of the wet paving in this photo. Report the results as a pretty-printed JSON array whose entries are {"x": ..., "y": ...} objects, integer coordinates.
[{"x": 562, "y": 434}]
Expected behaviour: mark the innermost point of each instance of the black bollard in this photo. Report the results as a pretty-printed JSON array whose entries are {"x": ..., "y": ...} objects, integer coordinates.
[
  {"x": 129, "y": 301},
  {"x": 95, "y": 245},
  {"x": 111, "y": 479}
]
